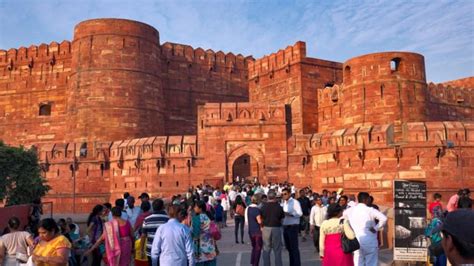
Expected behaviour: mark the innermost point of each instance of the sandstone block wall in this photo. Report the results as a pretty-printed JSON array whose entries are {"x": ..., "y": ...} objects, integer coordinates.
[
  {"x": 369, "y": 158},
  {"x": 290, "y": 78},
  {"x": 29, "y": 78}
]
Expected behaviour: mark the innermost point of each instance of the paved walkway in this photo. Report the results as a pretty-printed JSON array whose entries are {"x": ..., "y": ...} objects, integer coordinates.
[{"x": 239, "y": 254}]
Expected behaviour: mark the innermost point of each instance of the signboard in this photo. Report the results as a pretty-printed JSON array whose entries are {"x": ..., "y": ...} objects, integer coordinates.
[{"x": 410, "y": 221}]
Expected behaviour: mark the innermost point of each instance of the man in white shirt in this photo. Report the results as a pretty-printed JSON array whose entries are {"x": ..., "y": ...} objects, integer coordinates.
[
  {"x": 291, "y": 224},
  {"x": 132, "y": 210},
  {"x": 316, "y": 218},
  {"x": 362, "y": 219}
]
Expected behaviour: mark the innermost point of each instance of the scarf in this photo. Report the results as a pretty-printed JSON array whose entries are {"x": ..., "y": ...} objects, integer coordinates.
[{"x": 112, "y": 242}]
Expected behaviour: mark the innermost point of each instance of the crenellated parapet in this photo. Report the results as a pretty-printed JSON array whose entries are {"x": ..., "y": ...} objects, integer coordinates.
[
  {"x": 34, "y": 56},
  {"x": 283, "y": 59},
  {"x": 212, "y": 61},
  {"x": 447, "y": 94},
  {"x": 429, "y": 134}
]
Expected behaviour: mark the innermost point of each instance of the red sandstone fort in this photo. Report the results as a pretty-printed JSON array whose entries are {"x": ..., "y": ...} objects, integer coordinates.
[{"x": 115, "y": 110}]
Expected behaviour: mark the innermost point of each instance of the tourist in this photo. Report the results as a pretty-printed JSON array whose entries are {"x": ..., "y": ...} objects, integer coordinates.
[
  {"x": 204, "y": 245},
  {"x": 316, "y": 219},
  {"x": 232, "y": 195},
  {"x": 330, "y": 243},
  {"x": 151, "y": 224},
  {"x": 219, "y": 213},
  {"x": 53, "y": 248},
  {"x": 343, "y": 200},
  {"x": 362, "y": 219},
  {"x": 132, "y": 211},
  {"x": 239, "y": 218},
  {"x": 125, "y": 197},
  {"x": 225, "y": 206},
  {"x": 453, "y": 201},
  {"x": 371, "y": 203},
  {"x": 325, "y": 197},
  {"x": 458, "y": 237},
  {"x": 291, "y": 222},
  {"x": 332, "y": 200},
  {"x": 305, "y": 204},
  {"x": 352, "y": 201},
  {"x": 36, "y": 210},
  {"x": 95, "y": 228},
  {"x": 145, "y": 208},
  {"x": 436, "y": 203},
  {"x": 465, "y": 201},
  {"x": 272, "y": 215},
  {"x": 15, "y": 245},
  {"x": 433, "y": 231},
  {"x": 172, "y": 244},
  {"x": 120, "y": 203},
  {"x": 253, "y": 218},
  {"x": 144, "y": 197},
  {"x": 77, "y": 229},
  {"x": 107, "y": 209},
  {"x": 118, "y": 238}
]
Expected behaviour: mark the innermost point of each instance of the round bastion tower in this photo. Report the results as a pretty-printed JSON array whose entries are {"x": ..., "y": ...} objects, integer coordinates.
[
  {"x": 384, "y": 88},
  {"x": 114, "y": 90}
]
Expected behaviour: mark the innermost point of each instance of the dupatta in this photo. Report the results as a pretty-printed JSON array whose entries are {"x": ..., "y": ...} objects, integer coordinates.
[{"x": 112, "y": 242}]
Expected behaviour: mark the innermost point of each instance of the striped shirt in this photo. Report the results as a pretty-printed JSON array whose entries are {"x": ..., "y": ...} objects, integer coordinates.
[{"x": 150, "y": 225}]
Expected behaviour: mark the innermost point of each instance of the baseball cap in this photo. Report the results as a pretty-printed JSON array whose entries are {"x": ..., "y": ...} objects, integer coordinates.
[{"x": 459, "y": 224}]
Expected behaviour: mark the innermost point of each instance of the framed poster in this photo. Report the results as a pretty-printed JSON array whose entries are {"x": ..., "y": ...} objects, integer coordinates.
[{"x": 410, "y": 221}]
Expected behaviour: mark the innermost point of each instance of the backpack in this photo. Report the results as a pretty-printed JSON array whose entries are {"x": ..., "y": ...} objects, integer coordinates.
[
  {"x": 240, "y": 210},
  {"x": 214, "y": 230}
]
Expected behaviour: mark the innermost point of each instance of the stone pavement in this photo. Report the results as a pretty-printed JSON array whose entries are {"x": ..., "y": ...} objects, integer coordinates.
[{"x": 239, "y": 254}]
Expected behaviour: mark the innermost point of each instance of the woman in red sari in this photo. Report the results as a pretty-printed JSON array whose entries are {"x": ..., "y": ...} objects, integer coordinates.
[
  {"x": 330, "y": 244},
  {"x": 118, "y": 237}
]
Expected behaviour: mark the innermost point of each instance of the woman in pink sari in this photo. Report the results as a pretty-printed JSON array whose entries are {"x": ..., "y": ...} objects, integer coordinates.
[{"x": 118, "y": 237}]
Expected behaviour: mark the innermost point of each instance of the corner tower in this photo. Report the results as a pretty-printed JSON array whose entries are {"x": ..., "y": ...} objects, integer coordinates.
[
  {"x": 384, "y": 87},
  {"x": 115, "y": 91}
]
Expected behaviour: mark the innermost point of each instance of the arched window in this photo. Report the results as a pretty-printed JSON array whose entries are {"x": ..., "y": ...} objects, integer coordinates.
[
  {"x": 45, "y": 109},
  {"x": 395, "y": 64},
  {"x": 347, "y": 72},
  {"x": 83, "y": 150}
]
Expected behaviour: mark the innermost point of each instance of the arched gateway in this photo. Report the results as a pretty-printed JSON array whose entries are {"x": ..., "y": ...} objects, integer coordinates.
[{"x": 246, "y": 162}]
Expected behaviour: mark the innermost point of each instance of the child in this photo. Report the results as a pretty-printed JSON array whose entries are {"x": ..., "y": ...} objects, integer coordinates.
[{"x": 219, "y": 213}]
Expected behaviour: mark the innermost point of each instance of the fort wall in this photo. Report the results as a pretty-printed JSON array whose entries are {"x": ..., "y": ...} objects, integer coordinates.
[
  {"x": 191, "y": 77},
  {"x": 369, "y": 158},
  {"x": 115, "y": 89},
  {"x": 29, "y": 79},
  {"x": 290, "y": 78}
]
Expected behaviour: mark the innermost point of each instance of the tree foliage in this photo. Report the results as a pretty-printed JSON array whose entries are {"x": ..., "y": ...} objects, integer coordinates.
[{"x": 20, "y": 175}]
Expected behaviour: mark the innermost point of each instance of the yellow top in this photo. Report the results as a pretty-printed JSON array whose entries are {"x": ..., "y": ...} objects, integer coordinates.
[{"x": 51, "y": 248}]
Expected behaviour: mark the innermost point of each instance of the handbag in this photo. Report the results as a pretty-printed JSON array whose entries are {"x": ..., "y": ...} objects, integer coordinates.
[
  {"x": 348, "y": 245},
  {"x": 215, "y": 232}
]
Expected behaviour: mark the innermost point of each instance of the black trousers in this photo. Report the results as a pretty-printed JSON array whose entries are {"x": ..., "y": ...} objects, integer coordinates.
[
  {"x": 290, "y": 235},
  {"x": 316, "y": 237},
  {"x": 239, "y": 222}
]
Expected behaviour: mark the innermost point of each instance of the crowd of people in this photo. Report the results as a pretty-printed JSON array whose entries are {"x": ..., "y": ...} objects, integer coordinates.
[{"x": 186, "y": 229}]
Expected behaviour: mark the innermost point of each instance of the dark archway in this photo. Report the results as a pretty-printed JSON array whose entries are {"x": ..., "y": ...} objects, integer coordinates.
[{"x": 245, "y": 167}]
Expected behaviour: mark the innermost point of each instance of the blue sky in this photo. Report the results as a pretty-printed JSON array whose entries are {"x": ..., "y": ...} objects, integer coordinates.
[{"x": 443, "y": 31}]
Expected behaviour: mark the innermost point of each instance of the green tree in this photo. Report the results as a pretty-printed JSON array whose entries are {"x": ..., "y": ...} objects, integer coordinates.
[{"x": 20, "y": 175}]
